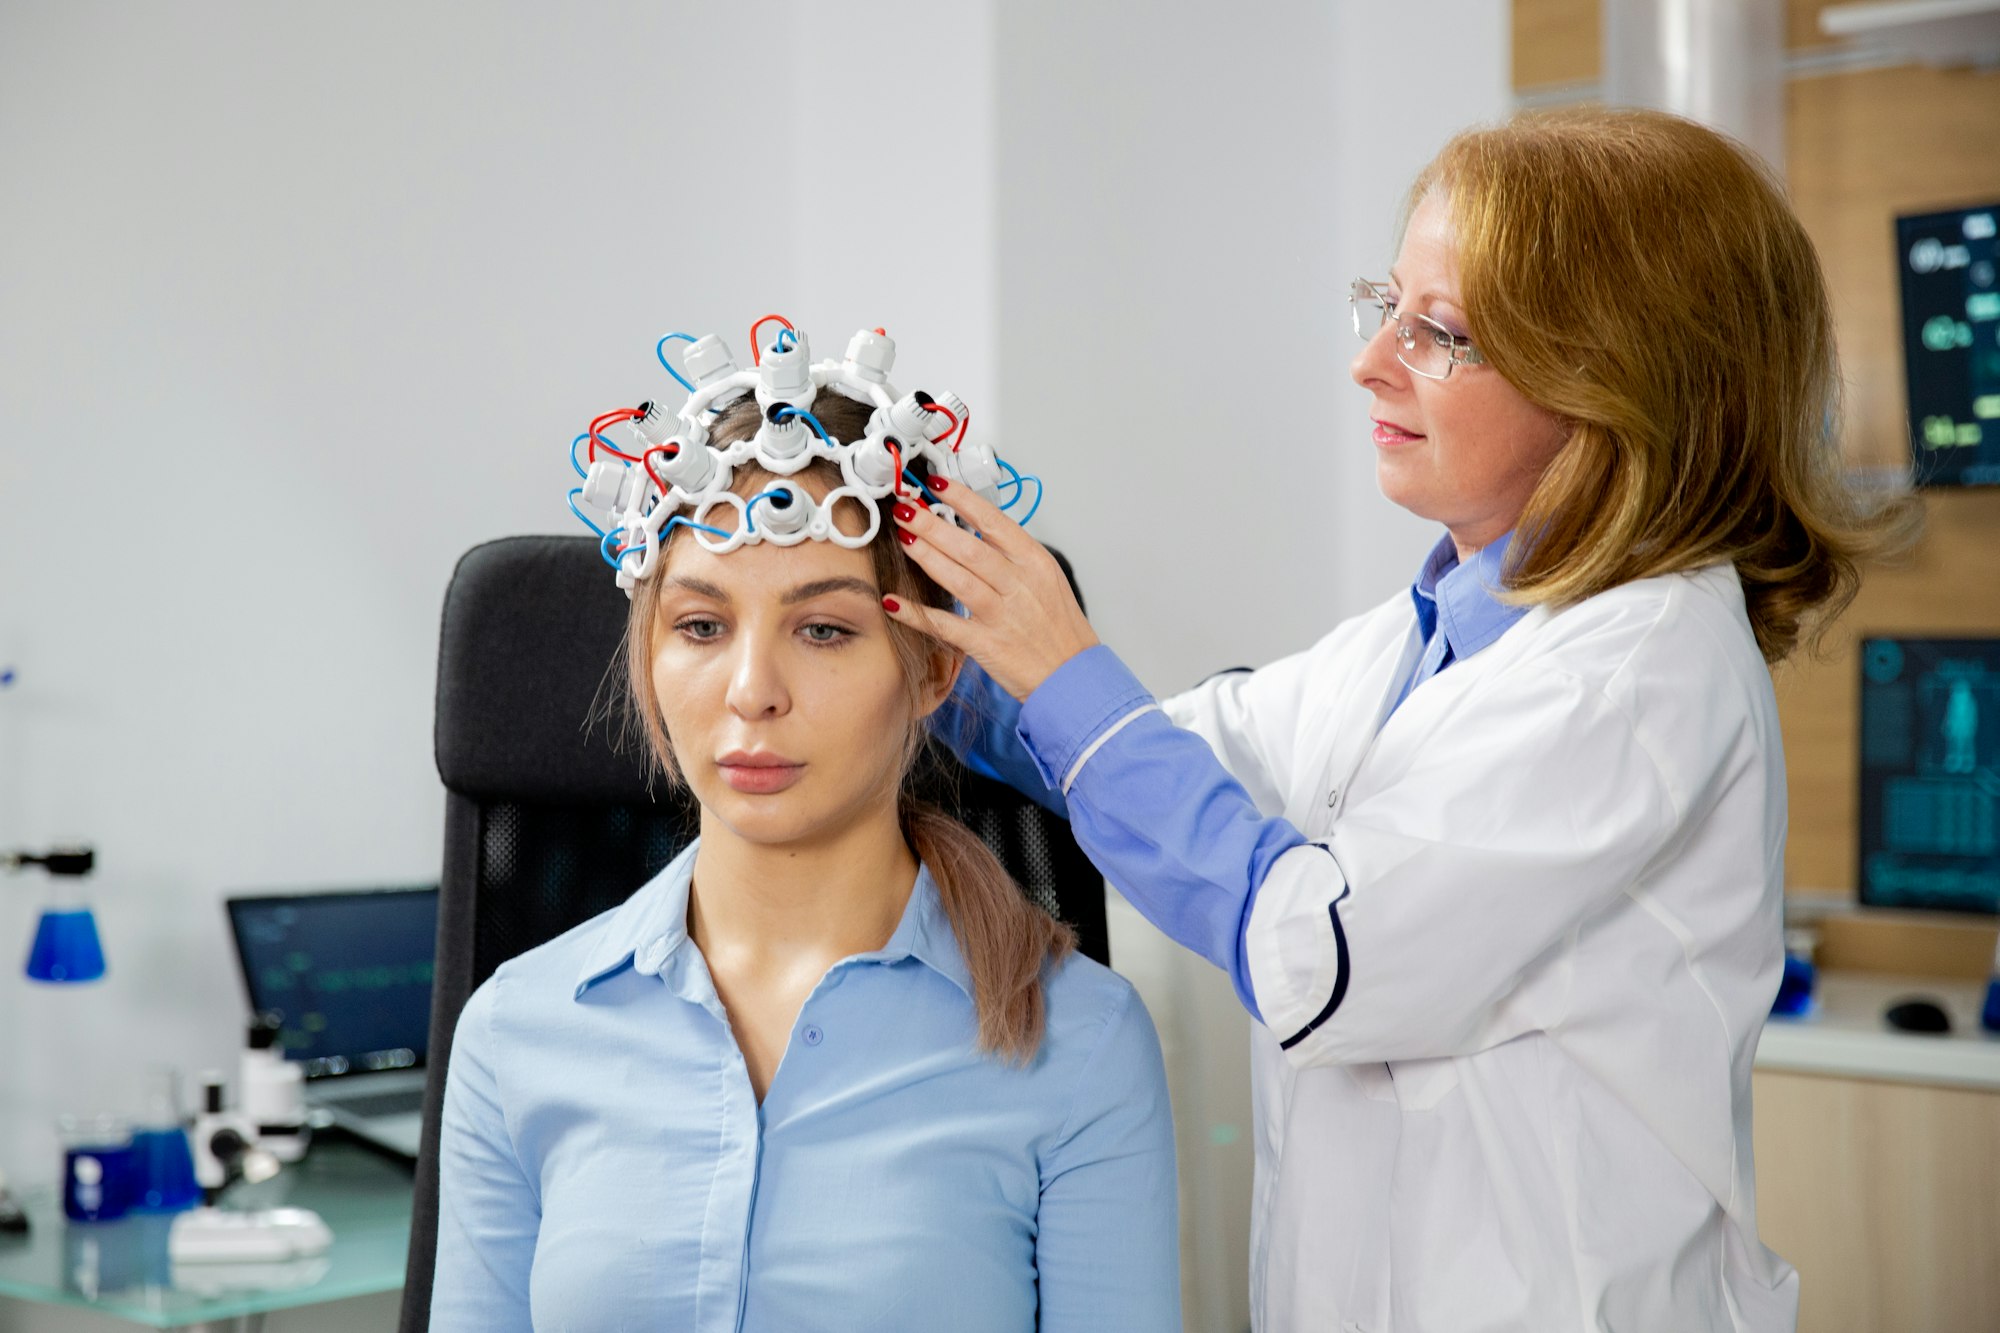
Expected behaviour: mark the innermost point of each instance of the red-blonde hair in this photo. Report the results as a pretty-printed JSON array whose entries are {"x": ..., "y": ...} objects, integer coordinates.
[
  {"x": 1005, "y": 940},
  {"x": 1643, "y": 278}
]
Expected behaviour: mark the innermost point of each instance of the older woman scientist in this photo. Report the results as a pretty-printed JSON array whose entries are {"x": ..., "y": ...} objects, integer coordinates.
[{"x": 1497, "y": 865}]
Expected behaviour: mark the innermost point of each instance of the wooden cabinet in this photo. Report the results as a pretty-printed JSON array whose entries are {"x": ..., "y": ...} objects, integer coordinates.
[{"x": 1886, "y": 1197}]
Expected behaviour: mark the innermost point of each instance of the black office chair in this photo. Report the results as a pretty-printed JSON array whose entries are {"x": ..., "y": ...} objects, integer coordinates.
[{"x": 547, "y": 823}]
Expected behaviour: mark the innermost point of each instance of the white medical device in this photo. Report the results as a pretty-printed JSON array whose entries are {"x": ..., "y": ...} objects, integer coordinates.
[{"x": 678, "y": 477}]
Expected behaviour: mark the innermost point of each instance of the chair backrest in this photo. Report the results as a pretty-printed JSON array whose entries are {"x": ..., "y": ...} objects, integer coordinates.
[{"x": 548, "y": 822}]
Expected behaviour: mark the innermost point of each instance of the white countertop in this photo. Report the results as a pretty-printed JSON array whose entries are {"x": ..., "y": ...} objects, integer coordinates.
[{"x": 1845, "y": 1035}]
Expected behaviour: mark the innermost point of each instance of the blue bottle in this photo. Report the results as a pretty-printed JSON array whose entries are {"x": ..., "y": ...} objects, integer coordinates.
[
  {"x": 1795, "y": 987},
  {"x": 162, "y": 1160},
  {"x": 97, "y": 1168},
  {"x": 66, "y": 948}
]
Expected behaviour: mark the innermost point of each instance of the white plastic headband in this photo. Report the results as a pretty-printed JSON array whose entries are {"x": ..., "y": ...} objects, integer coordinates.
[{"x": 678, "y": 476}]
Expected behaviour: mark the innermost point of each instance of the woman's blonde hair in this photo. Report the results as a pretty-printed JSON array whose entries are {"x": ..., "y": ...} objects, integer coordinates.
[
  {"x": 1005, "y": 939},
  {"x": 1643, "y": 278}
]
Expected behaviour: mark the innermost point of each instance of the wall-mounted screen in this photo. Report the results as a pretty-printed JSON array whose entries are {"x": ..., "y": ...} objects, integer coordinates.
[
  {"x": 1930, "y": 773},
  {"x": 1951, "y": 344}
]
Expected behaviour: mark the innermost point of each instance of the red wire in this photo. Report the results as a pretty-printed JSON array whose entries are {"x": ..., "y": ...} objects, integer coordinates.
[
  {"x": 884, "y": 332},
  {"x": 896, "y": 452},
  {"x": 646, "y": 461},
  {"x": 950, "y": 416},
  {"x": 757, "y": 352},
  {"x": 610, "y": 419}
]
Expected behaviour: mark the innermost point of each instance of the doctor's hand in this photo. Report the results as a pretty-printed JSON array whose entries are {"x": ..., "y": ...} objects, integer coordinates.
[{"x": 1021, "y": 621}]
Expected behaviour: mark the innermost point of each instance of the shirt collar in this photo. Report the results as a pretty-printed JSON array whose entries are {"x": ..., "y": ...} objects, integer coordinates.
[
  {"x": 650, "y": 928},
  {"x": 925, "y": 934},
  {"x": 647, "y": 928},
  {"x": 1464, "y": 597}
]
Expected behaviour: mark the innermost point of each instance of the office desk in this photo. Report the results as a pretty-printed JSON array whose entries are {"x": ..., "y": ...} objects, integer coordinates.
[{"x": 122, "y": 1268}]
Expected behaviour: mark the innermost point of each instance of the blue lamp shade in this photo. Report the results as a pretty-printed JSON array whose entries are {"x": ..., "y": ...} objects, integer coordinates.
[{"x": 66, "y": 947}]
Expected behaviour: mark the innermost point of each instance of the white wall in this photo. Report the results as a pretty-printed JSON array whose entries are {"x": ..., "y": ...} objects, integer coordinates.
[
  {"x": 1182, "y": 203},
  {"x": 298, "y": 303}
]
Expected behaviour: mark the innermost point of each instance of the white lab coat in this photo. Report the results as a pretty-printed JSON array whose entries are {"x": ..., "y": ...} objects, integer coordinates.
[{"x": 1546, "y": 894}]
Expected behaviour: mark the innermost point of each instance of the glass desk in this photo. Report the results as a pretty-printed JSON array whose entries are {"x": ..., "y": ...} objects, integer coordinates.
[{"x": 122, "y": 1268}]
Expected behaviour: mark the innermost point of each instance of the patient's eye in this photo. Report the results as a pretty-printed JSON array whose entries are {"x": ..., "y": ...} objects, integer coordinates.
[
  {"x": 820, "y": 632},
  {"x": 699, "y": 629}
]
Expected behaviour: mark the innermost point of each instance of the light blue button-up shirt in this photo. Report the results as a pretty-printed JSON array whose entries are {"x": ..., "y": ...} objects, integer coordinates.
[
  {"x": 606, "y": 1165},
  {"x": 1458, "y": 609}
]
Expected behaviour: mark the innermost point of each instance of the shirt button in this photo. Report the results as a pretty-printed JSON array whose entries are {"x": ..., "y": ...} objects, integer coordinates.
[{"x": 813, "y": 1035}]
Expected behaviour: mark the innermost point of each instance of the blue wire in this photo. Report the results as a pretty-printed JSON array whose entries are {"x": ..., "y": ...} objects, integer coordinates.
[
  {"x": 675, "y": 522},
  {"x": 1014, "y": 480},
  {"x": 1030, "y": 515},
  {"x": 748, "y": 522},
  {"x": 615, "y": 561},
  {"x": 911, "y": 477},
  {"x": 660, "y": 350},
  {"x": 783, "y": 345},
  {"x": 606, "y": 538},
  {"x": 1018, "y": 482},
  {"x": 580, "y": 469},
  {"x": 580, "y": 514},
  {"x": 787, "y": 413}
]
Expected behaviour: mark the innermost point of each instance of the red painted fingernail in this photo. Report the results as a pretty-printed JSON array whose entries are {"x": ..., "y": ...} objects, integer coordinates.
[
  {"x": 937, "y": 483},
  {"x": 904, "y": 512},
  {"x": 891, "y": 604},
  {"x": 907, "y": 538}
]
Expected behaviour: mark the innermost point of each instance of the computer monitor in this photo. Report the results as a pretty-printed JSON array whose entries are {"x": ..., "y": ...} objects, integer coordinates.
[
  {"x": 348, "y": 973},
  {"x": 1951, "y": 343},
  {"x": 1930, "y": 773}
]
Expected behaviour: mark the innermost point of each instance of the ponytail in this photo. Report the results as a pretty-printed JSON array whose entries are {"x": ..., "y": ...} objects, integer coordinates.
[{"x": 1005, "y": 939}]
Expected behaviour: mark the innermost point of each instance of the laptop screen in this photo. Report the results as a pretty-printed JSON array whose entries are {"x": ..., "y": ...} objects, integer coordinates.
[{"x": 348, "y": 974}]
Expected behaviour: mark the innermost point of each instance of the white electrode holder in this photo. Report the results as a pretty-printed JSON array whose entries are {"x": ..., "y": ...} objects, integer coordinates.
[{"x": 680, "y": 477}]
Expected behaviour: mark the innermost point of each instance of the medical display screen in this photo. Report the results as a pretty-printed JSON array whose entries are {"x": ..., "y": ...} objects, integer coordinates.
[
  {"x": 349, "y": 974},
  {"x": 1930, "y": 773},
  {"x": 1951, "y": 344}
]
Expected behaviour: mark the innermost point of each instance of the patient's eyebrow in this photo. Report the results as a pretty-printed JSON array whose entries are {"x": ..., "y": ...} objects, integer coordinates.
[
  {"x": 699, "y": 587},
  {"x": 805, "y": 592}
]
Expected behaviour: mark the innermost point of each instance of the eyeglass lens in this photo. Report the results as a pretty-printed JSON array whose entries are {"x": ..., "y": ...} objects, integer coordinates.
[{"x": 1421, "y": 345}]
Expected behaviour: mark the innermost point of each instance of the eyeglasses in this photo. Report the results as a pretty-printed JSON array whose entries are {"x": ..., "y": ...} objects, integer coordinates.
[{"x": 1424, "y": 346}]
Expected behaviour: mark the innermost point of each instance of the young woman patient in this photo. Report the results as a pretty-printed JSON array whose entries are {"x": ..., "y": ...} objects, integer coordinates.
[{"x": 829, "y": 1069}]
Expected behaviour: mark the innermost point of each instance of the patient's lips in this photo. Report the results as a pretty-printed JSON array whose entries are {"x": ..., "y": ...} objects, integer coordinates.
[{"x": 759, "y": 773}]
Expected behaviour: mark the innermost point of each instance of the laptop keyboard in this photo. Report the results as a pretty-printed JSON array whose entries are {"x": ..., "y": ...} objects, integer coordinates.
[{"x": 383, "y": 1103}]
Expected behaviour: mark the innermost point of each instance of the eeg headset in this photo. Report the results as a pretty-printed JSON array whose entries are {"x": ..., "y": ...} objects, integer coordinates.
[{"x": 677, "y": 478}]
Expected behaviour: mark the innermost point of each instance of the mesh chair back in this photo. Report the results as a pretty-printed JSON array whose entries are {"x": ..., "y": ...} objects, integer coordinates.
[{"x": 548, "y": 822}]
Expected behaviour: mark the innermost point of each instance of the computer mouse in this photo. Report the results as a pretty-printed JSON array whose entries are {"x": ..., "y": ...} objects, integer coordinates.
[{"x": 1917, "y": 1014}]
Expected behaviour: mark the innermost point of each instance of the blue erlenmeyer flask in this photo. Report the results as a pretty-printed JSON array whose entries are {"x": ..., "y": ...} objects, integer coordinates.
[
  {"x": 66, "y": 947},
  {"x": 162, "y": 1160}
]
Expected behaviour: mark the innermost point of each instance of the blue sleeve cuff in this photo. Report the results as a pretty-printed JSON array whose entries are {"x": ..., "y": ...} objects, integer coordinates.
[
  {"x": 1079, "y": 702},
  {"x": 979, "y": 722}
]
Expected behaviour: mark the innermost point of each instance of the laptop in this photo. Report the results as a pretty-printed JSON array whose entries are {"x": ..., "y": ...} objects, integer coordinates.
[{"x": 348, "y": 974}]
